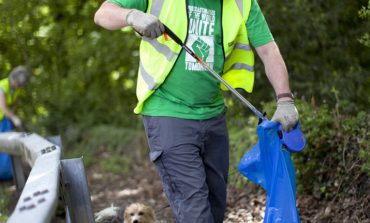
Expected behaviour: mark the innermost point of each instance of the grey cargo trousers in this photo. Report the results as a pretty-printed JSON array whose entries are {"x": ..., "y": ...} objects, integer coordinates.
[{"x": 192, "y": 159}]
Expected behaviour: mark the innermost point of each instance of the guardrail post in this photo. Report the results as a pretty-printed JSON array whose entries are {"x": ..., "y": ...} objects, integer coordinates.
[
  {"x": 76, "y": 191},
  {"x": 18, "y": 172}
]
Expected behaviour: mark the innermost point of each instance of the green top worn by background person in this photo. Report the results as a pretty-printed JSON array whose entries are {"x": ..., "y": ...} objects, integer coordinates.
[{"x": 203, "y": 99}]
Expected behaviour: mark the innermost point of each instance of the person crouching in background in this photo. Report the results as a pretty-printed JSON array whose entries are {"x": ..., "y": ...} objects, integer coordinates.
[{"x": 9, "y": 91}]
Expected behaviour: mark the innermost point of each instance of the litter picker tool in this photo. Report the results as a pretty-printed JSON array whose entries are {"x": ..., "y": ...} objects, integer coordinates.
[{"x": 293, "y": 140}]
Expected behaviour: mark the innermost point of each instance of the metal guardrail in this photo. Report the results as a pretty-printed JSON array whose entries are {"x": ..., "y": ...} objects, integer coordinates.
[
  {"x": 40, "y": 193},
  {"x": 39, "y": 196}
]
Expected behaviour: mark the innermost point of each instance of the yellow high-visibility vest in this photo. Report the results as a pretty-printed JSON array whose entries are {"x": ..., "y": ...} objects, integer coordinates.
[
  {"x": 10, "y": 98},
  {"x": 158, "y": 56}
]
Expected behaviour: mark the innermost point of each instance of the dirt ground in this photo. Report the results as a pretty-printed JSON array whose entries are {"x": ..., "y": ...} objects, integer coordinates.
[
  {"x": 144, "y": 186},
  {"x": 245, "y": 205}
]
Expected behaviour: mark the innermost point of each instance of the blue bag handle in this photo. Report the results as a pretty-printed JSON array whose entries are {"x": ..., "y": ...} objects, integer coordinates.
[{"x": 294, "y": 141}]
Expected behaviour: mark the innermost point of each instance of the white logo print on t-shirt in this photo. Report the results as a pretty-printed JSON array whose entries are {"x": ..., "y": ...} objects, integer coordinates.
[{"x": 200, "y": 40}]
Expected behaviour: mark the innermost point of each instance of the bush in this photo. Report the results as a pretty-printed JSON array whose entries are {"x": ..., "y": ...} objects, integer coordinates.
[
  {"x": 242, "y": 134},
  {"x": 5, "y": 201},
  {"x": 336, "y": 158},
  {"x": 114, "y": 149},
  {"x": 364, "y": 13}
]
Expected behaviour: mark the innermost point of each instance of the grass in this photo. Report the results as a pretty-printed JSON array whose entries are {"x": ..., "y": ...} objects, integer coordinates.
[
  {"x": 6, "y": 197},
  {"x": 114, "y": 149}
]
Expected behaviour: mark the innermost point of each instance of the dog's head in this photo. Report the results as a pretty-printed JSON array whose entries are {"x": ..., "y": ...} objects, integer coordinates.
[{"x": 139, "y": 213}]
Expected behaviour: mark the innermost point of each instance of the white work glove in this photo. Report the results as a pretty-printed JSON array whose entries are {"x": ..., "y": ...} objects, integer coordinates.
[
  {"x": 286, "y": 114},
  {"x": 145, "y": 24}
]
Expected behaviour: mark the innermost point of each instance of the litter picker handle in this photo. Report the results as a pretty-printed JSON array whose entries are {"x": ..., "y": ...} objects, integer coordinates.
[
  {"x": 173, "y": 35},
  {"x": 214, "y": 73}
]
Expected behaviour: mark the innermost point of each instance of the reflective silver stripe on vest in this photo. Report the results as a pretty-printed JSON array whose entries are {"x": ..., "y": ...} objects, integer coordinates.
[
  {"x": 240, "y": 46},
  {"x": 240, "y": 66},
  {"x": 147, "y": 78},
  {"x": 161, "y": 48},
  {"x": 156, "y": 7},
  {"x": 240, "y": 6}
]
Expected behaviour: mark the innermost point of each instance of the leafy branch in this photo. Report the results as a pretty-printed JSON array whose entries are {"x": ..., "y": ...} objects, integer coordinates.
[{"x": 364, "y": 13}]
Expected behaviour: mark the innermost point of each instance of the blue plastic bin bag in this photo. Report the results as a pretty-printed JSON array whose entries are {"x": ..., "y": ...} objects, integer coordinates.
[
  {"x": 271, "y": 167},
  {"x": 5, "y": 167},
  {"x": 6, "y": 172}
]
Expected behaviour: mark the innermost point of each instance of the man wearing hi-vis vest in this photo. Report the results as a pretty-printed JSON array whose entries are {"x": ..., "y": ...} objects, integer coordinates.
[
  {"x": 9, "y": 92},
  {"x": 182, "y": 105}
]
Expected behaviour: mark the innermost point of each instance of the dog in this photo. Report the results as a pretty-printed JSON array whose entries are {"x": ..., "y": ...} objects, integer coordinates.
[
  {"x": 138, "y": 213},
  {"x": 134, "y": 213}
]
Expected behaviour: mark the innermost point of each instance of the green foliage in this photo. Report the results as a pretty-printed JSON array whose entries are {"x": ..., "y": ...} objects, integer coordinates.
[
  {"x": 114, "y": 149},
  {"x": 5, "y": 201},
  {"x": 361, "y": 126},
  {"x": 242, "y": 135},
  {"x": 318, "y": 40},
  {"x": 119, "y": 165},
  {"x": 82, "y": 73},
  {"x": 364, "y": 13}
]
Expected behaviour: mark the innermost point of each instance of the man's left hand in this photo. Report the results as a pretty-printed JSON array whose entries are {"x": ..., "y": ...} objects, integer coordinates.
[{"x": 286, "y": 114}]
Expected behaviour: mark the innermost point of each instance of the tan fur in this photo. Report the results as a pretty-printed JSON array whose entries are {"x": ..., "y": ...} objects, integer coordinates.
[{"x": 139, "y": 213}]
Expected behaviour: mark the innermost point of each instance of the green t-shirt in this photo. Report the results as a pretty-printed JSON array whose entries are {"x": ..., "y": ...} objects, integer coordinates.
[{"x": 190, "y": 91}]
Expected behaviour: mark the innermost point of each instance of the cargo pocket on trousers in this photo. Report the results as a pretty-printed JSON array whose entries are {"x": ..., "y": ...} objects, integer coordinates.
[
  {"x": 168, "y": 184},
  {"x": 154, "y": 155}
]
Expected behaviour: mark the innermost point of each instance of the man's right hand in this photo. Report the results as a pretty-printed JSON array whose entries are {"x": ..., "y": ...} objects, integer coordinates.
[{"x": 146, "y": 24}]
